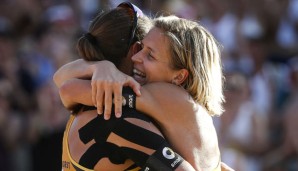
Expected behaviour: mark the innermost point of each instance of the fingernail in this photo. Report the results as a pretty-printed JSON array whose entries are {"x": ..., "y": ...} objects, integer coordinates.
[{"x": 118, "y": 115}]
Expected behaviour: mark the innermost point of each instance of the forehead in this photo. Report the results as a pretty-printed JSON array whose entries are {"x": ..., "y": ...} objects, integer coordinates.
[
  {"x": 157, "y": 41},
  {"x": 155, "y": 34}
]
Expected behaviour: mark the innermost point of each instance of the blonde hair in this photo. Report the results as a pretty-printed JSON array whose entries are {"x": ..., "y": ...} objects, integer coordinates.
[{"x": 192, "y": 47}]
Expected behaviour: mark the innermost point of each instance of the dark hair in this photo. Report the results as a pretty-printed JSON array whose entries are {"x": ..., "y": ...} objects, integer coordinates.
[
  {"x": 111, "y": 32},
  {"x": 108, "y": 38}
]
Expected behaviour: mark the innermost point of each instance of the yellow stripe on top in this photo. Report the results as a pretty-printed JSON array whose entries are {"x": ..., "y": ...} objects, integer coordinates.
[
  {"x": 71, "y": 119},
  {"x": 135, "y": 169}
]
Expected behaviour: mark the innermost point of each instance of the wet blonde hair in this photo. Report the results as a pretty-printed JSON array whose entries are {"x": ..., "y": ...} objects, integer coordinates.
[{"x": 192, "y": 47}]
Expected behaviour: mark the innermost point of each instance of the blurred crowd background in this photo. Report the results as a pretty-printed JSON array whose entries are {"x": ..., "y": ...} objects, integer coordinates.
[{"x": 257, "y": 132}]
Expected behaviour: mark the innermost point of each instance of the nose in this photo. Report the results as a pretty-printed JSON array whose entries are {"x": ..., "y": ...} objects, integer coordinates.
[{"x": 137, "y": 58}]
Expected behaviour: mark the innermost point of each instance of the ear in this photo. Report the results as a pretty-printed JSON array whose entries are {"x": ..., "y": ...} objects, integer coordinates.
[
  {"x": 180, "y": 76},
  {"x": 133, "y": 49},
  {"x": 136, "y": 47}
]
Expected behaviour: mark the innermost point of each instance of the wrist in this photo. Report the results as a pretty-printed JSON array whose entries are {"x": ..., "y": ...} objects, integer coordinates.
[
  {"x": 84, "y": 69},
  {"x": 100, "y": 64},
  {"x": 128, "y": 98}
]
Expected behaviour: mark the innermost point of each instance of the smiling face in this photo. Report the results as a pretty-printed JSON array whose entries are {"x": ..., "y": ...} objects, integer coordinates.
[
  {"x": 182, "y": 52},
  {"x": 153, "y": 62}
]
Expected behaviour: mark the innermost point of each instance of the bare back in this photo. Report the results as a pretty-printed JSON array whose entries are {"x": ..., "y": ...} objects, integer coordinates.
[
  {"x": 77, "y": 148},
  {"x": 107, "y": 145}
]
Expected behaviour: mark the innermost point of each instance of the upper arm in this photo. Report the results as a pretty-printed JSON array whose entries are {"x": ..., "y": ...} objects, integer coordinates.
[{"x": 165, "y": 102}]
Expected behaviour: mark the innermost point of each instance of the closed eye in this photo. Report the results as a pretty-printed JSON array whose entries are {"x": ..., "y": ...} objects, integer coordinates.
[
  {"x": 148, "y": 50},
  {"x": 150, "y": 56}
]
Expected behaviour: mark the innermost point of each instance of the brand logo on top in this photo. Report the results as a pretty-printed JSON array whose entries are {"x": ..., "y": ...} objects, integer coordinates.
[
  {"x": 130, "y": 101},
  {"x": 169, "y": 154}
]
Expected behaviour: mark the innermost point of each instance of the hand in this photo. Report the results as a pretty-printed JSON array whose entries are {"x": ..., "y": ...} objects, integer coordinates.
[
  {"x": 107, "y": 81},
  {"x": 225, "y": 167}
]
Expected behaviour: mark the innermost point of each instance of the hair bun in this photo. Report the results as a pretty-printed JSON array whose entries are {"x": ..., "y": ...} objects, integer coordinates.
[{"x": 91, "y": 38}]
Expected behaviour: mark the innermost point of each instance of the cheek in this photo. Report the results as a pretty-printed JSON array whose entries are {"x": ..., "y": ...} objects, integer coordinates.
[
  {"x": 151, "y": 70},
  {"x": 157, "y": 71},
  {"x": 163, "y": 74}
]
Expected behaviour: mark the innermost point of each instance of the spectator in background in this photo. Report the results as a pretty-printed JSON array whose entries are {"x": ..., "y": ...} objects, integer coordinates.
[
  {"x": 11, "y": 104},
  {"x": 5, "y": 157},
  {"x": 29, "y": 54},
  {"x": 285, "y": 155},
  {"x": 51, "y": 49},
  {"x": 287, "y": 34},
  {"x": 242, "y": 131}
]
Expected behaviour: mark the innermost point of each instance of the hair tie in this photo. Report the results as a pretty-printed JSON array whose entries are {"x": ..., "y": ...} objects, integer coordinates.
[{"x": 91, "y": 38}]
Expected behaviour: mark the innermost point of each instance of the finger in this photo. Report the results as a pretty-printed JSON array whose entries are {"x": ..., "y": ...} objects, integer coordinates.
[
  {"x": 108, "y": 101},
  {"x": 94, "y": 93},
  {"x": 99, "y": 99},
  {"x": 134, "y": 85},
  {"x": 118, "y": 99},
  {"x": 97, "y": 96},
  {"x": 225, "y": 167}
]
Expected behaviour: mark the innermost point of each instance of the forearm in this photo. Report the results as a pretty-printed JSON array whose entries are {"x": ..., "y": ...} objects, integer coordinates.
[
  {"x": 75, "y": 91},
  {"x": 75, "y": 69},
  {"x": 185, "y": 166},
  {"x": 78, "y": 69}
]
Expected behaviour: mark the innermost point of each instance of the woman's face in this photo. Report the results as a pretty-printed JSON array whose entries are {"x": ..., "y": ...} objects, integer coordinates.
[{"x": 152, "y": 63}]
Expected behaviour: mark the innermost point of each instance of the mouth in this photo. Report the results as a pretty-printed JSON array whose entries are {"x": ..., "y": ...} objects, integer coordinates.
[
  {"x": 138, "y": 73},
  {"x": 139, "y": 76}
]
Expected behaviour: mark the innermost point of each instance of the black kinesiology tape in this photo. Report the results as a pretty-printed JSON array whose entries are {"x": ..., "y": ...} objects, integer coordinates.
[
  {"x": 128, "y": 98},
  {"x": 164, "y": 159}
]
